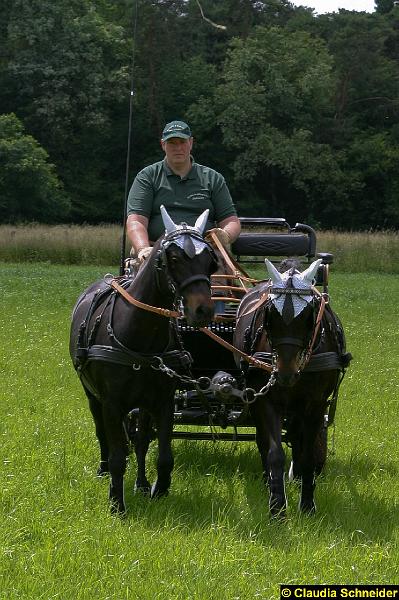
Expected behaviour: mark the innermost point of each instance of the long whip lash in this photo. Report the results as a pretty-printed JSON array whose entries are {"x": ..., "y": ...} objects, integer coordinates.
[
  {"x": 123, "y": 241},
  {"x": 223, "y": 27}
]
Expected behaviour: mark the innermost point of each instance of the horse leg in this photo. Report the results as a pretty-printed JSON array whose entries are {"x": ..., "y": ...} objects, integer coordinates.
[
  {"x": 118, "y": 450},
  {"x": 268, "y": 439},
  {"x": 295, "y": 438},
  {"x": 276, "y": 459},
  {"x": 276, "y": 462},
  {"x": 262, "y": 436},
  {"x": 141, "y": 443},
  {"x": 308, "y": 468},
  {"x": 165, "y": 463},
  {"x": 96, "y": 411}
]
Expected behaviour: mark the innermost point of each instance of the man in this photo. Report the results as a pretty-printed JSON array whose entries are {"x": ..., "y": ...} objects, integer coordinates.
[{"x": 185, "y": 188}]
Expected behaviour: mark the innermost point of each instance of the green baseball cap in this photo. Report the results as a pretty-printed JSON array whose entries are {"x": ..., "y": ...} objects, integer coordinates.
[{"x": 175, "y": 129}]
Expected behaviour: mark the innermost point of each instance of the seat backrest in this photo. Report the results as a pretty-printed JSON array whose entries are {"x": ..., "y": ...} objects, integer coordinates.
[{"x": 273, "y": 238}]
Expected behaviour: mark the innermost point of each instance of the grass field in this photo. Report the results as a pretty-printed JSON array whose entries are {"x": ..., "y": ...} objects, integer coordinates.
[
  {"x": 211, "y": 538},
  {"x": 354, "y": 252}
]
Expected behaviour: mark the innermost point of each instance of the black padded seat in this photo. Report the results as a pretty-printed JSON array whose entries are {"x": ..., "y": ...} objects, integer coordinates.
[{"x": 272, "y": 244}]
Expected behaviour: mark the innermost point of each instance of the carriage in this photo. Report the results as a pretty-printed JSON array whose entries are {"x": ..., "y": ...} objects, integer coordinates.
[
  {"x": 215, "y": 404},
  {"x": 245, "y": 359}
]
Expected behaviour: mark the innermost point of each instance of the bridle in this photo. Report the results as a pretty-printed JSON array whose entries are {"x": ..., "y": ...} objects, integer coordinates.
[
  {"x": 162, "y": 267},
  {"x": 317, "y": 297},
  {"x": 162, "y": 272}
]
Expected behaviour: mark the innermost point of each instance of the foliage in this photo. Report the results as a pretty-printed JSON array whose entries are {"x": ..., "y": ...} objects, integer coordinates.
[
  {"x": 65, "y": 75},
  {"x": 277, "y": 93},
  {"x": 29, "y": 187},
  {"x": 286, "y": 104}
]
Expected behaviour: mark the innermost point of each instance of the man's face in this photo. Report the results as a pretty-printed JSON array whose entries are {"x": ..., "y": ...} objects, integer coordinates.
[{"x": 177, "y": 150}]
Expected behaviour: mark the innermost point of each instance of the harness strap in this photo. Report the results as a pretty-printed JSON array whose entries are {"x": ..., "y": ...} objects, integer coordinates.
[
  {"x": 193, "y": 279},
  {"x": 325, "y": 361},
  {"x": 250, "y": 359},
  {"x": 308, "y": 354},
  {"x": 261, "y": 302},
  {"x": 318, "y": 321},
  {"x": 165, "y": 312},
  {"x": 126, "y": 357},
  {"x": 236, "y": 270}
]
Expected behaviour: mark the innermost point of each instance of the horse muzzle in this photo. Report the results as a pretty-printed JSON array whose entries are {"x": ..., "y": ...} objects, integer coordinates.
[
  {"x": 287, "y": 379},
  {"x": 197, "y": 302},
  {"x": 288, "y": 371},
  {"x": 199, "y": 315}
]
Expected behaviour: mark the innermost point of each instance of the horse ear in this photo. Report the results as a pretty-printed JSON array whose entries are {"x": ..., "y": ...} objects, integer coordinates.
[
  {"x": 309, "y": 274},
  {"x": 170, "y": 227},
  {"x": 275, "y": 276},
  {"x": 200, "y": 223}
]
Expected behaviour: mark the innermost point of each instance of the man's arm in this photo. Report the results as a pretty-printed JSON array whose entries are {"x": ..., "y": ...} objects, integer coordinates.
[
  {"x": 227, "y": 231},
  {"x": 232, "y": 226},
  {"x": 137, "y": 230}
]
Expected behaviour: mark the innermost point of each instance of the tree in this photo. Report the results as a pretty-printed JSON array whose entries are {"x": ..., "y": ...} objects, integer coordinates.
[
  {"x": 384, "y": 6},
  {"x": 272, "y": 109},
  {"x": 367, "y": 109},
  {"x": 65, "y": 72},
  {"x": 29, "y": 187}
]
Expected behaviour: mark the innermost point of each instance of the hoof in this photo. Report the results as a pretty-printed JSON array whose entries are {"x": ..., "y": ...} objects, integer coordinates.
[
  {"x": 278, "y": 509},
  {"x": 117, "y": 509},
  {"x": 308, "y": 508},
  {"x": 143, "y": 489},
  {"x": 158, "y": 493},
  {"x": 102, "y": 470}
]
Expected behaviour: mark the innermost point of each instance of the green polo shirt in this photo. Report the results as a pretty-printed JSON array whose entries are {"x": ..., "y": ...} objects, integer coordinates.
[{"x": 185, "y": 198}]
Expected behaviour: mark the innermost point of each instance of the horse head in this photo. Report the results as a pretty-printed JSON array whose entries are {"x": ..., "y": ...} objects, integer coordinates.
[
  {"x": 188, "y": 261},
  {"x": 290, "y": 318}
]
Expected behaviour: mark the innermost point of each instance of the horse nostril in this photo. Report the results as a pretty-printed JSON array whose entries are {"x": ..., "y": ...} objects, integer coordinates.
[
  {"x": 287, "y": 379},
  {"x": 203, "y": 315},
  {"x": 204, "y": 312}
]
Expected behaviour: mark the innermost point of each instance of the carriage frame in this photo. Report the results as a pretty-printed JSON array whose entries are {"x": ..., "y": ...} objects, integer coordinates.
[{"x": 215, "y": 403}]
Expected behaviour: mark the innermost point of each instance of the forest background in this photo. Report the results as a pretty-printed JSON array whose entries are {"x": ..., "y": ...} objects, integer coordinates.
[{"x": 299, "y": 112}]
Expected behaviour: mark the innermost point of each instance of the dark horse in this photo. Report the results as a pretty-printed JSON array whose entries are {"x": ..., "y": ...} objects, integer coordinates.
[
  {"x": 130, "y": 356},
  {"x": 287, "y": 323}
]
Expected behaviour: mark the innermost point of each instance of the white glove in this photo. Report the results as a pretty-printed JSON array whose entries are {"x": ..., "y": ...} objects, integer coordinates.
[
  {"x": 222, "y": 236},
  {"x": 144, "y": 253}
]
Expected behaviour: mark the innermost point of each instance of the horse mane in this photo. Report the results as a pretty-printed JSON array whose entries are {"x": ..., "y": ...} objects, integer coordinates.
[{"x": 289, "y": 264}]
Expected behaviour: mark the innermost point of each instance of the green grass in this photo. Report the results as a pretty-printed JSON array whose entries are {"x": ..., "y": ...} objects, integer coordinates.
[{"x": 212, "y": 537}]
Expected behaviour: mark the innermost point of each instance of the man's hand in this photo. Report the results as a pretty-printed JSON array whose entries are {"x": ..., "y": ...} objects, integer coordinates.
[
  {"x": 144, "y": 253},
  {"x": 222, "y": 236}
]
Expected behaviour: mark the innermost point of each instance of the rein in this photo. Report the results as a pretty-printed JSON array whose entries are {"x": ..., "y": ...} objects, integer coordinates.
[
  {"x": 165, "y": 312},
  {"x": 236, "y": 270},
  {"x": 319, "y": 317},
  {"x": 247, "y": 357}
]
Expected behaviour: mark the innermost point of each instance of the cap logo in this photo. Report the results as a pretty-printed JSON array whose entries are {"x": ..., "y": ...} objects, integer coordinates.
[{"x": 176, "y": 129}]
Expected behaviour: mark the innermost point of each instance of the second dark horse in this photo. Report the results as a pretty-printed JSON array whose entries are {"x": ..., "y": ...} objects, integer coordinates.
[
  {"x": 287, "y": 323},
  {"x": 129, "y": 356}
]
